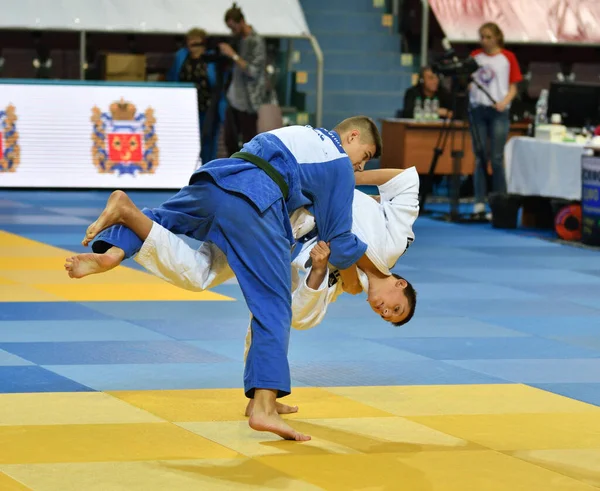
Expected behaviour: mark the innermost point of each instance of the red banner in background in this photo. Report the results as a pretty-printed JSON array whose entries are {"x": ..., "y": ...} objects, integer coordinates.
[{"x": 529, "y": 21}]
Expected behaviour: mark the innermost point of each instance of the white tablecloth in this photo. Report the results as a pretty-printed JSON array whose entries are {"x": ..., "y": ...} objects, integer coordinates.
[{"x": 542, "y": 168}]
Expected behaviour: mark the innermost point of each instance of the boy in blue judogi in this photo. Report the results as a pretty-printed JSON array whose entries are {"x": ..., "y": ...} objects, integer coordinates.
[{"x": 243, "y": 205}]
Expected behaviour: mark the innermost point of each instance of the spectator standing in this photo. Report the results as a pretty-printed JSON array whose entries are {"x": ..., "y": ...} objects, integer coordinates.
[
  {"x": 499, "y": 74},
  {"x": 249, "y": 88}
]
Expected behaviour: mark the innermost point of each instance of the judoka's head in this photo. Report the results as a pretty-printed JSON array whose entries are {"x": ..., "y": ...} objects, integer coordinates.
[
  {"x": 361, "y": 140},
  {"x": 393, "y": 298}
]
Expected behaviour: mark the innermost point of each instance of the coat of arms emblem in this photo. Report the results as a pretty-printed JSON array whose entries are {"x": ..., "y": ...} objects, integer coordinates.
[
  {"x": 124, "y": 141},
  {"x": 10, "y": 152}
]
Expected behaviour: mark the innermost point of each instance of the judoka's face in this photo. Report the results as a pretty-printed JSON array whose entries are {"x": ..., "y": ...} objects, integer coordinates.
[
  {"x": 387, "y": 299},
  {"x": 360, "y": 153}
]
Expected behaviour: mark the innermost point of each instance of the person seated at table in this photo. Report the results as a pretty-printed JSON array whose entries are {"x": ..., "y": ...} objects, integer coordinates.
[{"x": 428, "y": 88}]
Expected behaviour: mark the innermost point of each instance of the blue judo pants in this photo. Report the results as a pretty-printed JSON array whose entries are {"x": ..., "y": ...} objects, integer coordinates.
[{"x": 259, "y": 253}]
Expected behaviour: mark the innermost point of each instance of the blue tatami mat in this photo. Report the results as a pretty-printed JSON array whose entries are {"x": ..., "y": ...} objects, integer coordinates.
[{"x": 493, "y": 307}]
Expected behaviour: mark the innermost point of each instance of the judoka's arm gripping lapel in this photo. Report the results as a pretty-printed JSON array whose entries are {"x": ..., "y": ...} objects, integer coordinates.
[{"x": 333, "y": 212}]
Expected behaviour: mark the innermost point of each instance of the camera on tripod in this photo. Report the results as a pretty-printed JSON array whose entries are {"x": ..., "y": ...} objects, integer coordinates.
[
  {"x": 459, "y": 71},
  {"x": 450, "y": 65}
]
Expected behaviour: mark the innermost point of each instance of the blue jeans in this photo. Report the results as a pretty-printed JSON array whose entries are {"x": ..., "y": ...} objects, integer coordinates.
[{"x": 488, "y": 124}]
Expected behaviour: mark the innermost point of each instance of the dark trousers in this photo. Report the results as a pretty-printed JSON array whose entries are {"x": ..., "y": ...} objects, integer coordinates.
[
  {"x": 239, "y": 123},
  {"x": 209, "y": 139}
]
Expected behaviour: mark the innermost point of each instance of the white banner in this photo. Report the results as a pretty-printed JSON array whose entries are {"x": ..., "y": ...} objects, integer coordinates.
[
  {"x": 90, "y": 135},
  {"x": 276, "y": 18},
  {"x": 522, "y": 21}
]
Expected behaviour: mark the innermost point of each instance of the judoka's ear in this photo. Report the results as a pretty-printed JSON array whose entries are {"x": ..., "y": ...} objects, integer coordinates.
[
  {"x": 401, "y": 283},
  {"x": 353, "y": 135}
]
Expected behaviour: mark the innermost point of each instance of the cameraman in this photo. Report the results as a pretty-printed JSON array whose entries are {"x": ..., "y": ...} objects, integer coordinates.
[
  {"x": 427, "y": 88},
  {"x": 498, "y": 75},
  {"x": 205, "y": 69}
]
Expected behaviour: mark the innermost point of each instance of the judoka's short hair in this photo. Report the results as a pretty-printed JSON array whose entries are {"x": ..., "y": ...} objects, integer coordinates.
[
  {"x": 369, "y": 133},
  {"x": 411, "y": 296}
]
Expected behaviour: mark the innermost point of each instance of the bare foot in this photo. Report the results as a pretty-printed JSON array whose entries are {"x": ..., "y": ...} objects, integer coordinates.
[
  {"x": 86, "y": 264},
  {"x": 113, "y": 213},
  {"x": 263, "y": 421},
  {"x": 281, "y": 408}
]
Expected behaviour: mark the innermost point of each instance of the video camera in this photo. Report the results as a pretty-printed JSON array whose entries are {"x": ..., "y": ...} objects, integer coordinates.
[
  {"x": 455, "y": 67},
  {"x": 449, "y": 64}
]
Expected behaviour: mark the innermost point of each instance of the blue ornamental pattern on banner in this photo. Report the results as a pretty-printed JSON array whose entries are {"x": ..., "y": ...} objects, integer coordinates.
[{"x": 10, "y": 152}]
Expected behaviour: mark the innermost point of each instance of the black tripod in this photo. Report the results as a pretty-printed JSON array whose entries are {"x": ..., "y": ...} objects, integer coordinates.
[{"x": 457, "y": 155}]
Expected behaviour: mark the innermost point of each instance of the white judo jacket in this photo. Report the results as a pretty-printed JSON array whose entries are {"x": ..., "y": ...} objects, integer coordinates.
[{"x": 386, "y": 227}]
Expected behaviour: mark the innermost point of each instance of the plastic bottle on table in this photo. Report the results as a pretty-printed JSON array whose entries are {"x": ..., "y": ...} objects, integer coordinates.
[
  {"x": 418, "y": 114},
  {"x": 541, "y": 108},
  {"x": 427, "y": 110},
  {"x": 435, "y": 109}
]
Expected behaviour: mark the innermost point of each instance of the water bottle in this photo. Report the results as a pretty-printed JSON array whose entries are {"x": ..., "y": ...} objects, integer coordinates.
[
  {"x": 541, "y": 108},
  {"x": 427, "y": 110},
  {"x": 418, "y": 114},
  {"x": 435, "y": 109}
]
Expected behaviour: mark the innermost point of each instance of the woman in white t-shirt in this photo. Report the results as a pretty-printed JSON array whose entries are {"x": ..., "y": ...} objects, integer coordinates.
[{"x": 498, "y": 74}]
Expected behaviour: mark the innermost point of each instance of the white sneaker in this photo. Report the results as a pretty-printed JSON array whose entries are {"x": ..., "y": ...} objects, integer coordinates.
[{"x": 479, "y": 208}]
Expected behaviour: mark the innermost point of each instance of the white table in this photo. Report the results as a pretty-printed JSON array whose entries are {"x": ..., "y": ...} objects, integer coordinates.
[{"x": 542, "y": 168}]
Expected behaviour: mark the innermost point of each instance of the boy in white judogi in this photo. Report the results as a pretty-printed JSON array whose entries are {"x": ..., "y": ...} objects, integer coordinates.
[
  {"x": 385, "y": 225},
  {"x": 386, "y": 228}
]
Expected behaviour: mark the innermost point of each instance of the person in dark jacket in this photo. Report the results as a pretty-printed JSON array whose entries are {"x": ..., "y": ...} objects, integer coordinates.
[
  {"x": 427, "y": 88},
  {"x": 195, "y": 64}
]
